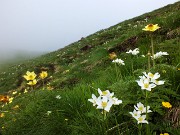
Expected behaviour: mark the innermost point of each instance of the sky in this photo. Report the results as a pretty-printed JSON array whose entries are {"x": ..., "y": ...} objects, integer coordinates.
[{"x": 48, "y": 25}]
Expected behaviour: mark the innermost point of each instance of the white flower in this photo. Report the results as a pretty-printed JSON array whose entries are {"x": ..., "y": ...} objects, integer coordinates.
[
  {"x": 141, "y": 119},
  {"x": 93, "y": 99},
  {"x": 140, "y": 107},
  {"x": 105, "y": 93},
  {"x": 145, "y": 83},
  {"x": 159, "y": 55},
  {"x": 142, "y": 55},
  {"x": 134, "y": 52},
  {"x": 58, "y": 97},
  {"x": 104, "y": 103},
  {"x": 135, "y": 114},
  {"x": 116, "y": 101},
  {"x": 119, "y": 61},
  {"x": 158, "y": 82},
  {"x": 154, "y": 77},
  {"x": 49, "y": 112}
]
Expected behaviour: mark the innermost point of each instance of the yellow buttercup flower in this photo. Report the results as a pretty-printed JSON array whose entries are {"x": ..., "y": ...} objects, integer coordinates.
[
  {"x": 30, "y": 76},
  {"x": 166, "y": 104},
  {"x": 112, "y": 55},
  {"x": 43, "y": 74},
  {"x": 2, "y": 115},
  {"x": 164, "y": 134},
  {"x": 11, "y": 99},
  {"x": 151, "y": 27},
  {"x": 33, "y": 82}
]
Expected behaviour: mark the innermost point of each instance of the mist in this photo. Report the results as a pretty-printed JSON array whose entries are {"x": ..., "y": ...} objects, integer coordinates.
[{"x": 39, "y": 26}]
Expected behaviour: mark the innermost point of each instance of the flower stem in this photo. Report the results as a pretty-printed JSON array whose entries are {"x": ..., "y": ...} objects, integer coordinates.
[
  {"x": 149, "y": 62},
  {"x": 152, "y": 46},
  {"x": 139, "y": 128}
]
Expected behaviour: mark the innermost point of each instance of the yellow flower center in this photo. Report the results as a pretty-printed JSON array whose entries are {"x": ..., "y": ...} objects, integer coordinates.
[
  {"x": 146, "y": 85},
  {"x": 104, "y": 104},
  {"x": 151, "y": 75},
  {"x": 140, "y": 108},
  {"x": 140, "y": 119},
  {"x": 104, "y": 93}
]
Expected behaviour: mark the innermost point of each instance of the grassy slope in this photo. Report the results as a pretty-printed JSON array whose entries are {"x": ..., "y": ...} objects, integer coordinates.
[{"x": 77, "y": 69}]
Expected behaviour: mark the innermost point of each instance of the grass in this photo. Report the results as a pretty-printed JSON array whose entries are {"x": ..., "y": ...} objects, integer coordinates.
[{"x": 78, "y": 70}]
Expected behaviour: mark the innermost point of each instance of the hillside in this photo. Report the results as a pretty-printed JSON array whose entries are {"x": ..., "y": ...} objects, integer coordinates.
[{"x": 79, "y": 69}]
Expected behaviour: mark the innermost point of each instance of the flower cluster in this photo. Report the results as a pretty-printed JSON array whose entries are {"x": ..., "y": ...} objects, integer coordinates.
[
  {"x": 159, "y": 55},
  {"x": 149, "y": 81},
  {"x": 30, "y": 76},
  {"x": 139, "y": 113},
  {"x": 105, "y": 100},
  {"x": 133, "y": 52},
  {"x": 119, "y": 61}
]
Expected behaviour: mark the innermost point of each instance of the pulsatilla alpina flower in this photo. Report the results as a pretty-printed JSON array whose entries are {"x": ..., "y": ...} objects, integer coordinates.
[
  {"x": 30, "y": 76},
  {"x": 151, "y": 27},
  {"x": 43, "y": 74},
  {"x": 166, "y": 104},
  {"x": 119, "y": 61},
  {"x": 159, "y": 55},
  {"x": 140, "y": 107},
  {"x": 112, "y": 55},
  {"x": 139, "y": 113},
  {"x": 4, "y": 99},
  {"x": 104, "y": 103},
  {"x": 134, "y": 52},
  {"x": 33, "y": 82},
  {"x": 105, "y": 100},
  {"x": 149, "y": 81}
]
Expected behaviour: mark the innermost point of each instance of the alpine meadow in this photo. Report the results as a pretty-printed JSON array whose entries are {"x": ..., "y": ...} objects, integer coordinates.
[{"x": 123, "y": 80}]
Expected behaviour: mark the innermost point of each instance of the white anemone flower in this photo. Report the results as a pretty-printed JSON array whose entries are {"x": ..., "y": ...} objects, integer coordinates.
[
  {"x": 135, "y": 114},
  {"x": 141, "y": 119},
  {"x": 104, "y": 103},
  {"x": 154, "y": 78},
  {"x": 140, "y": 107},
  {"x": 145, "y": 84},
  {"x": 93, "y": 100},
  {"x": 134, "y": 52},
  {"x": 106, "y": 93},
  {"x": 116, "y": 101},
  {"x": 151, "y": 75},
  {"x": 119, "y": 61},
  {"x": 159, "y": 55},
  {"x": 58, "y": 97}
]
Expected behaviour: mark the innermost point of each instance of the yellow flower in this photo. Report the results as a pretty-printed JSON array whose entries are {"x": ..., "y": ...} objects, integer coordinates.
[
  {"x": 4, "y": 99},
  {"x": 11, "y": 99},
  {"x": 25, "y": 91},
  {"x": 2, "y": 115},
  {"x": 166, "y": 134},
  {"x": 166, "y": 104},
  {"x": 30, "y": 76},
  {"x": 43, "y": 74},
  {"x": 14, "y": 92},
  {"x": 112, "y": 55},
  {"x": 151, "y": 27},
  {"x": 33, "y": 82},
  {"x": 15, "y": 107}
]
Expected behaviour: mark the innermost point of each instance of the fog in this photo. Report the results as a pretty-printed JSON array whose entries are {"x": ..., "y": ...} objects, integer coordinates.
[{"x": 47, "y": 25}]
